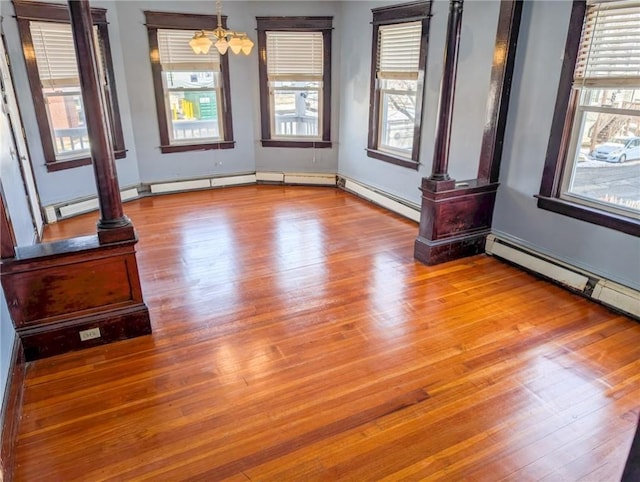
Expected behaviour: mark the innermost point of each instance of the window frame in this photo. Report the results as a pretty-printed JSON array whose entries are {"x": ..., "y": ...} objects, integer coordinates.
[
  {"x": 560, "y": 142},
  {"x": 186, "y": 21},
  {"x": 26, "y": 12},
  {"x": 323, "y": 25},
  {"x": 391, "y": 15}
]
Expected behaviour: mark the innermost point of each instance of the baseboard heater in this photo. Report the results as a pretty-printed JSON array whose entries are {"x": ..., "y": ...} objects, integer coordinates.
[
  {"x": 385, "y": 200},
  {"x": 399, "y": 206},
  {"x": 607, "y": 292},
  {"x": 305, "y": 178},
  {"x": 206, "y": 183},
  {"x": 56, "y": 212}
]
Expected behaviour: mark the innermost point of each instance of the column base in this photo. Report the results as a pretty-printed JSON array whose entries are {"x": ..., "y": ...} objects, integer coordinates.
[
  {"x": 454, "y": 223},
  {"x": 115, "y": 235},
  {"x": 436, "y": 252},
  {"x": 435, "y": 185}
]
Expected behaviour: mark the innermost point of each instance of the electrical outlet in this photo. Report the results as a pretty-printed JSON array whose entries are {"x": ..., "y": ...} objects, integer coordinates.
[{"x": 90, "y": 334}]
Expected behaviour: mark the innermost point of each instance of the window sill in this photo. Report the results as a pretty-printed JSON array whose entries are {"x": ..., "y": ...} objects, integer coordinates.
[
  {"x": 383, "y": 156},
  {"x": 590, "y": 215},
  {"x": 197, "y": 147},
  {"x": 298, "y": 144},
  {"x": 81, "y": 161}
]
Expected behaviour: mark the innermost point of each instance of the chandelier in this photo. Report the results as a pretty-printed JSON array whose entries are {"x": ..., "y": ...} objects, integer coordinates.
[{"x": 224, "y": 39}]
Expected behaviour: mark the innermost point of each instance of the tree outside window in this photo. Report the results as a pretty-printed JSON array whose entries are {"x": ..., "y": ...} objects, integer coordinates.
[{"x": 400, "y": 36}]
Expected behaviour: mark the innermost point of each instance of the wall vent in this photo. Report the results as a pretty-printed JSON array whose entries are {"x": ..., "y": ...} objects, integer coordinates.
[
  {"x": 605, "y": 291},
  {"x": 383, "y": 199}
]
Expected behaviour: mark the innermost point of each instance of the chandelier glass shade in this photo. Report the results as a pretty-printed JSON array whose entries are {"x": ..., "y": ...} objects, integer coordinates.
[{"x": 221, "y": 39}]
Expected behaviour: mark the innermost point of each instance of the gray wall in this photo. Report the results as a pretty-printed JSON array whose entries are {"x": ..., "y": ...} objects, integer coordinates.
[
  {"x": 602, "y": 251},
  {"x": 144, "y": 162},
  {"x": 479, "y": 24},
  {"x": 248, "y": 155}
]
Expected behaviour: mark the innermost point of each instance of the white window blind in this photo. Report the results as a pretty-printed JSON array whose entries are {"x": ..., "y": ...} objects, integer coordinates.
[
  {"x": 176, "y": 53},
  {"x": 610, "y": 49},
  {"x": 399, "y": 50},
  {"x": 294, "y": 55},
  {"x": 55, "y": 54}
]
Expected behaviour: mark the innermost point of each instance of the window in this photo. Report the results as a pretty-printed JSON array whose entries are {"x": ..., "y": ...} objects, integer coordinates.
[
  {"x": 398, "y": 60},
  {"x": 295, "y": 81},
  {"x": 192, "y": 94},
  {"x": 592, "y": 168},
  {"x": 52, "y": 69}
]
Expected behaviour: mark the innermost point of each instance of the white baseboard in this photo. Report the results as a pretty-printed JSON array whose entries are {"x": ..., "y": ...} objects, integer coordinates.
[
  {"x": 56, "y": 212},
  {"x": 607, "y": 292},
  {"x": 383, "y": 199}
]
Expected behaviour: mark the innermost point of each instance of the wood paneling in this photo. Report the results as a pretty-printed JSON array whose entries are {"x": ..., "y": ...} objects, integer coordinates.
[
  {"x": 296, "y": 338},
  {"x": 454, "y": 223},
  {"x": 54, "y": 290}
]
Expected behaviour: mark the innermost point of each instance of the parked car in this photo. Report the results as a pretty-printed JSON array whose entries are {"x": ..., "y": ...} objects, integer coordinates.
[{"x": 619, "y": 149}]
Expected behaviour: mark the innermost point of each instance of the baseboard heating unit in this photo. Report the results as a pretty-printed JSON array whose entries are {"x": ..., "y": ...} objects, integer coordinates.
[
  {"x": 56, "y": 212},
  {"x": 205, "y": 183},
  {"x": 385, "y": 200},
  {"x": 607, "y": 292}
]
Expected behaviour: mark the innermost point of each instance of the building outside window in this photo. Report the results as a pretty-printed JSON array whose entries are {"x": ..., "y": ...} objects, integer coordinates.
[
  {"x": 52, "y": 68},
  {"x": 192, "y": 90},
  {"x": 592, "y": 169},
  {"x": 193, "y": 86}
]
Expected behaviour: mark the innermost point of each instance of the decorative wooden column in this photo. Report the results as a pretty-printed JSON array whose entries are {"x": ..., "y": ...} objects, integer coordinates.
[
  {"x": 456, "y": 216},
  {"x": 85, "y": 291},
  {"x": 113, "y": 224},
  {"x": 440, "y": 179}
]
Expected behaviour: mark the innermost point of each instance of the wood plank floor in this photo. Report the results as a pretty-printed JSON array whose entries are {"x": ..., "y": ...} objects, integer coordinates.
[{"x": 295, "y": 338}]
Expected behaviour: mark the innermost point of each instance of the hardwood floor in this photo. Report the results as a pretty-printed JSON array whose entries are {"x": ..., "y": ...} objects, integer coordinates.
[{"x": 295, "y": 338}]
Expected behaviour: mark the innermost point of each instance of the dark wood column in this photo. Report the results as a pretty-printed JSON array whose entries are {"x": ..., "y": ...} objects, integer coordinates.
[
  {"x": 456, "y": 216},
  {"x": 440, "y": 179},
  {"x": 113, "y": 224},
  {"x": 504, "y": 58}
]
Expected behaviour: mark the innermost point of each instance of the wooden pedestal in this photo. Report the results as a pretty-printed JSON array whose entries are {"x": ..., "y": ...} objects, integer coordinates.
[
  {"x": 55, "y": 290},
  {"x": 454, "y": 223}
]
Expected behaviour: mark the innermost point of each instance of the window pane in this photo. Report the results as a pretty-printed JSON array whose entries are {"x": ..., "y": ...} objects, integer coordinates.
[
  {"x": 295, "y": 107},
  {"x": 193, "y": 109},
  {"x": 612, "y": 98},
  {"x": 66, "y": 119},
  {"x": 607, "y": 167},
  {"x": 397, "y": 115}
]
